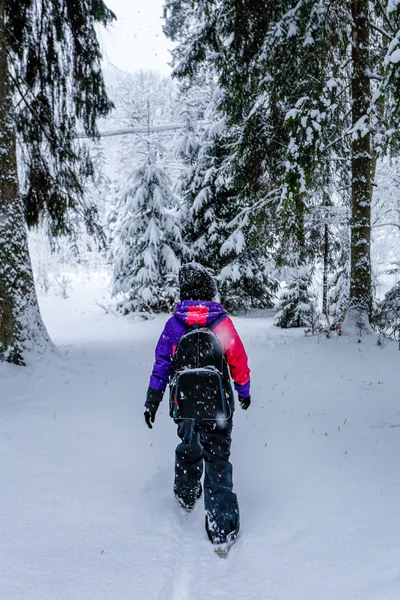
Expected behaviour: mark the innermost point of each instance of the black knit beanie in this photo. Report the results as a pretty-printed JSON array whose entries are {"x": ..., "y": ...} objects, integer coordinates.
[{"x": 196, "y": 283}]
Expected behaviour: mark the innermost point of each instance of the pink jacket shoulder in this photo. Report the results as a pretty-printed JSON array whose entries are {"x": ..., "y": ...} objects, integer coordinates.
[{"x": 235, "y": 354}]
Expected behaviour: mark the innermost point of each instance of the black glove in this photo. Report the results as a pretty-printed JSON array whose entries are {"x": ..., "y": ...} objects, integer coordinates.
[
  {"x": 149, "y": 417},
  {"x": 152, "y": 403},
  {"x": 244, "y": 402}
]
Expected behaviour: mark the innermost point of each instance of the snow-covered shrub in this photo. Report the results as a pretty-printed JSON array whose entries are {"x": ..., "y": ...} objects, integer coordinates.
[
  {"x": 386, "y": 317},
  {"x": 297, "y": 304}
]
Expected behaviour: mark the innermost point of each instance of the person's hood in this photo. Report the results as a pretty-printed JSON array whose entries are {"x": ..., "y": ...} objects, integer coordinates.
[{"x": 198, "y": 312}]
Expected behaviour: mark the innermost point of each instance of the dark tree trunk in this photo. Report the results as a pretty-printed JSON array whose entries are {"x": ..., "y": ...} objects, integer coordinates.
[
  {"x": 357, "y": 318},
  {"x": 326, "y": 269},
  {"x": 21, "y": 327},
  {"x": 300, "y": 228}
]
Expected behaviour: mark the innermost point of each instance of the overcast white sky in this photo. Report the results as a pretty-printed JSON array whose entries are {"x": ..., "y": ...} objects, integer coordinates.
[{"x": 136, "y": 41}]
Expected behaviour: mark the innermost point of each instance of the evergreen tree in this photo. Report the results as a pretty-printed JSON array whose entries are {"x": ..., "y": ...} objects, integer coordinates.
[
  {"x": 50, "y": 82},
  {"x": 297, "y": 305},
  {"x": 203, "y": 187},
  {"x": 149, "y": 244},
  {"x": 248, "y": 281},
  {"x": 188, "y": 143},
  {"x": 207, "y": 187},
  {"x": 20, "y": 320}
]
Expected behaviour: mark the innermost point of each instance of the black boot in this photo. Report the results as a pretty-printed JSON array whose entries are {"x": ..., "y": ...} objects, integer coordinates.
[{"x": 188, "y": 500}]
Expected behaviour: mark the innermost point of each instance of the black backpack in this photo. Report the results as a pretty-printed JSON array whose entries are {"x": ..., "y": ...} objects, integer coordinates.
[{"x": 197, "y": 382}]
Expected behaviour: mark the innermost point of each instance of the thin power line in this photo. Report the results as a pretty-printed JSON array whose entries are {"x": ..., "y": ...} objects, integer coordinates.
[{"x": 141, "y": 129}]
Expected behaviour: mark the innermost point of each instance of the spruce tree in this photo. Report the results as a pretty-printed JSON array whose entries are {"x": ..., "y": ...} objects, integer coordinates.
[
  {"x": 206, "y": 185},
  {"x": 50, "y": 84},
  {"x": 20, "y": 321},
  {"x": 148, "y": 246},
  {"x": 297, "y": 305},
  {"x": 203, "y": 186}
]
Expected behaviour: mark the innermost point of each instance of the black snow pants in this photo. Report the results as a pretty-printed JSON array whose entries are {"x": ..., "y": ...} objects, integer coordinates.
[{"x": 211, "y": 443}]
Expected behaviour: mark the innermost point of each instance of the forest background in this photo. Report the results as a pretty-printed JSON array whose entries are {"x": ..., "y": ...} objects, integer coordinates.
[{"x": 270, "y": 156}]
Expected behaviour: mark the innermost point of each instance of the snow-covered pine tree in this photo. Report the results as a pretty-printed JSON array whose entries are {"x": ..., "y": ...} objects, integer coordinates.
[
  {"x": 202, "y": 186},
  {"x": 142, "y": 99},
  {"x": 248, "y": 281},
  {"x": 149, "y": 244},
  {"x": 50, "y": 83},
  {"x": 208, "y": 190},
  {"x": 20, "y": 320},
  {"x": 187, "y": 143},
  {"x": 297, "y": 304},
  {"x": 202, "y": 183}
]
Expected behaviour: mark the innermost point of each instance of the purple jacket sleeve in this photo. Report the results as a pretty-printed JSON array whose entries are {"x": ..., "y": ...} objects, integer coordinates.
[{"x": 163, "y": 364}]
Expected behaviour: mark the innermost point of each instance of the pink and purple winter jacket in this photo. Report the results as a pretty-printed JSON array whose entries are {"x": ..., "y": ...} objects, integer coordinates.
[{"x": 212, "y": 315}]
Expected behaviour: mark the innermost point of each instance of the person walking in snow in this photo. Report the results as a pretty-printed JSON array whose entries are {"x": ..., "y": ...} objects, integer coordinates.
[{"x": 194, "y": 355}]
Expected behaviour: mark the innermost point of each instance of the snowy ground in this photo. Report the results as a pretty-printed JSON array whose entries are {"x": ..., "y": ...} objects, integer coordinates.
[{"x": 86, "y": 511}]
